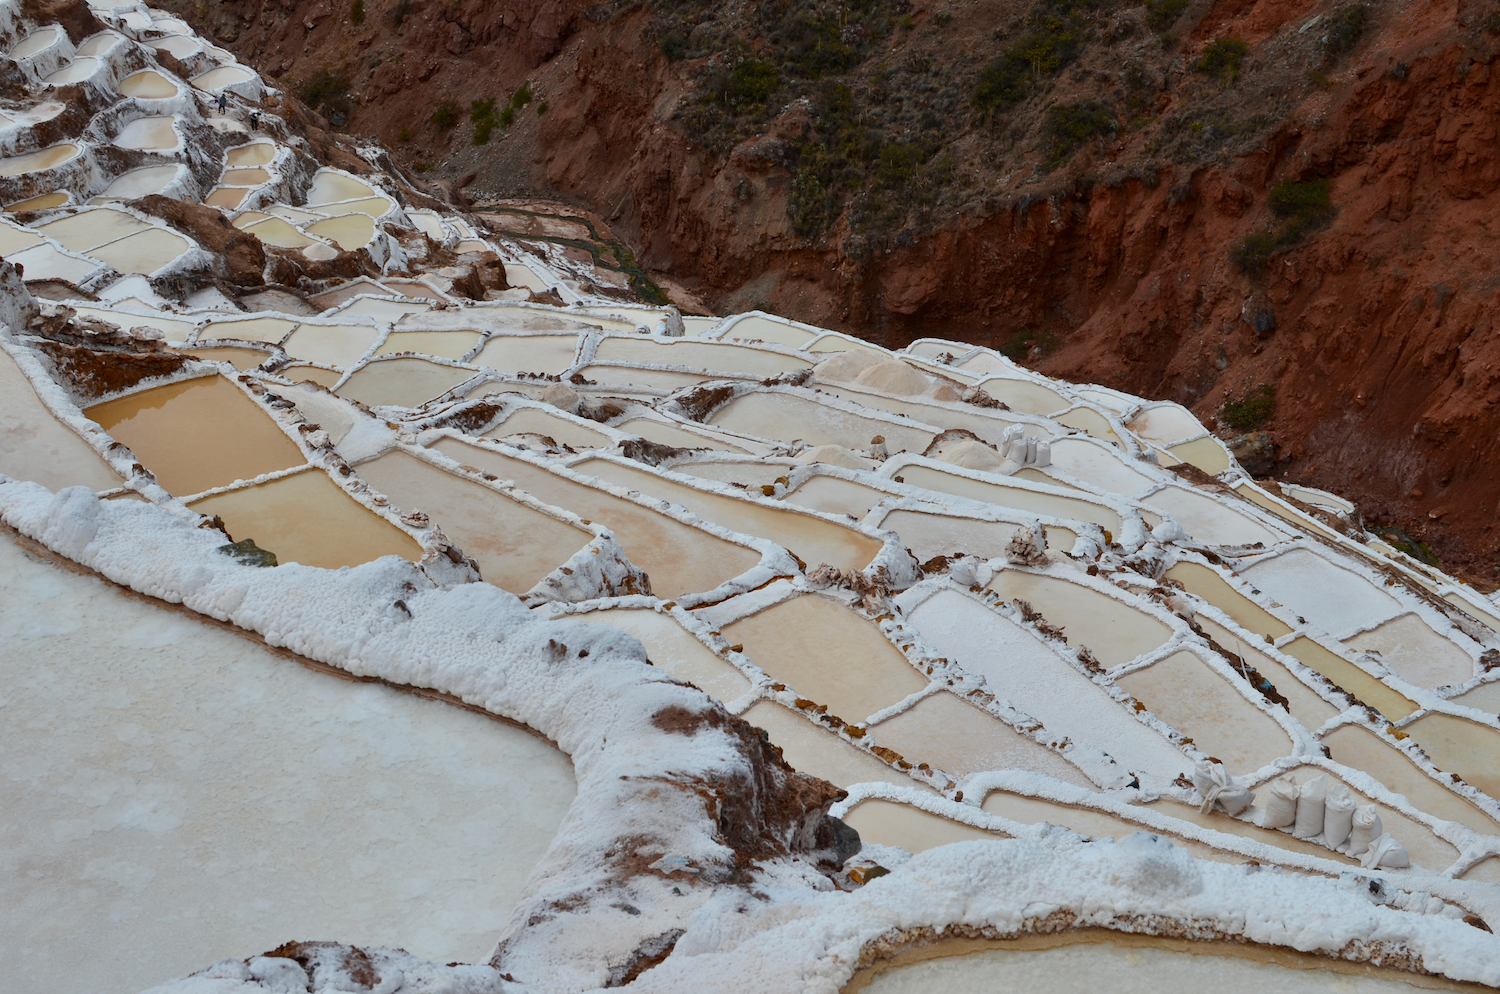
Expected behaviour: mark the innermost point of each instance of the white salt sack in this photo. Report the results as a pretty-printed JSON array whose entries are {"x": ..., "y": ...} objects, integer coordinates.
[
  {"x": 1216, "y": 786},
  {"x": 1338, "y": 816},
  {"x": 1385, "y": 851},
  {"x": 1366, "y": 829},
  {"x": 1310, "y": 808},
  {"x": 1281, "y": 805}
]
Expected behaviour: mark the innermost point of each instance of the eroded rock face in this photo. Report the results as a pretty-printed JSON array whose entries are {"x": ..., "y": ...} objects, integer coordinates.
[
  {"x": 767, "y": 809},
  {"x": 244, "y": 258}
]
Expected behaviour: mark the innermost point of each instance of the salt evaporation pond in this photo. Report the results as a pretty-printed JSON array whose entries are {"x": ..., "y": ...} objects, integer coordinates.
[
  {"x": 192, "y": 796},
  {"x": 42, "y": 159},
  {"x": 217, "y": 79},
  {"x": 1124, "y": 966},
  {"x": 141, "y": 182},
  {"x": 153, "y": 134},
  {"x": 148, "y": 84}
]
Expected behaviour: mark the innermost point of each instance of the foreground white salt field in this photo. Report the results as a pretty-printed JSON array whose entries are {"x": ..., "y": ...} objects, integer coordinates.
[
  {"x": 176, "y": 792},
  {"x": 1062, "y": 665}
]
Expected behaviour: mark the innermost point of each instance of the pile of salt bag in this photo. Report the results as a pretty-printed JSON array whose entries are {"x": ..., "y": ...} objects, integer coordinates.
[
  {"x": 1327, "y": 812},
  {"x": 1216, "y": 786}
]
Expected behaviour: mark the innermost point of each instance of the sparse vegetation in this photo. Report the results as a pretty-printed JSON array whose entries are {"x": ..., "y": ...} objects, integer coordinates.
[
  {"x": 1303, "y": 207},
  {"x": 399, "y": 12},
  {"x": 357, "y": 12},
  {"x": 1254, "y": 410},
  {"x": 1024, "y": 344},
  {"x": 485, "y": 120},
  {"x": 541, "y": 108},
  {"x": 446, "y": 115},
  {"x": 404, "y": 136},
  {"x": 1344, "y": 29},
  {"x": 327, "y": 92},
  {"x": 1162, "y": 14},
  {"x": 1070, "y": 125},
  {"x": 1221, "y": 59},
  {"x": 1045, "y": 49},
  {"x": 1399, "y": 540}
]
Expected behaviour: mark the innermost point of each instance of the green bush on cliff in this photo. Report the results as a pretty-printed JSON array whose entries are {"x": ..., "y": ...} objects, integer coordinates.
[
  {"x": 1221, "y": 59},
  {"x": 1068, "y": 126},
  {"x": 1253, "y": 411}
]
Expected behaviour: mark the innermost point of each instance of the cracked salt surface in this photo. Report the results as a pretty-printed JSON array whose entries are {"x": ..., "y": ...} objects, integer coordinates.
[{"x": 175, "y": 793}]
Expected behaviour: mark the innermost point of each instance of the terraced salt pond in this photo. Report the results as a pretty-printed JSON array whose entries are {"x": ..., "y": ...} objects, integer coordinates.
[
  {"x": 149, "y": 134},
  {"x": 1129, "y": 966},
  {"x": 1022, "y": 670},
  {"x": 197, "y": 796},
  {"x": 1115, "y": 632},
  {"x": 959, "y": 739},
  {"x": 707, "y": 355},
  {"x": 812, "y": 539},
  {"x": 788, "y": 417},
  {"x": 40, "y": 160},
  {"x": 536, "y": 421},
  {"x": 678, "y": 557},
  {"x": 828, "y": 654},
  {"x": 515, "y": 545},
  {"x": 402, "y": 382},
  {"x": 198, "y": 434},
  {"x": 148, "y": 84},
  {"x": 306, "y": 518},
  {"x": 1187, "y": 694},
  {"x": 35, "y": 446},
  {"x": 673, "y": 649},
  {"x": 528, "y": 353}
]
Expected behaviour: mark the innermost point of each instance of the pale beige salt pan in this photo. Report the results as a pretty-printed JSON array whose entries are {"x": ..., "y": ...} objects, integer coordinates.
[
  {"x": 1015, "y": 497},
  {"x": 144, "y": 252},
  {"x": 1461, "y": 746},
  {"x": 335, "y": 344},
  {"x": 890, "y": 823},
  {"x": 828, "y": 654},
  {"x": 698, "y": 354},
  {"x": 829, "y": 493},
  {"x": 306, "y": 518},
  {"x": 1113, "y": 631},
  {"x": 673, "y": 650},
  {"x": 1364, "y": 750},
  {"x": 1209, "y": 585},
  {"x": 530, "y": 420},
  {"x": 34, "y": 445},
  {"x": 528, "y": 353},
  {"x": 811, "y": 539},
  {"x": 1306, "y": 706},
  {"x": 1350, "y": 677},
  {"x": 929, "y": 535},
  {"x": 516, "y": 546},
  {"x": 447, "y": 344},
  {"x": 960, "y": 739},
  {"x": 1416, "y": 653},
  {"x": 669, "y": 434},
  {"x": 198, "y": 434},
  {"x": 148, "y": 84},
  {"x": 405, "y": 382},
  {"x": 787, "y": 417},
  {"x": 679, "y": 558},
  {"x": 1185, "y": 693},
  {"x": 820, "y": 752}
]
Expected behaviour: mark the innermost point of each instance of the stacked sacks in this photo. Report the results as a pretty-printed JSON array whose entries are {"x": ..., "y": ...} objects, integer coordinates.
[{"x": 1326, "y": 812}]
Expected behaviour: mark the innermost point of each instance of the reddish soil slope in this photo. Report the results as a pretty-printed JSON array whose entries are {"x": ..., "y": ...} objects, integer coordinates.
[{"x": 1375, "y": 329}]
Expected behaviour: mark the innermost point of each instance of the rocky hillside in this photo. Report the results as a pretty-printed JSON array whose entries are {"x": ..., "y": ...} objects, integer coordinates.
[{"x": 1279, "y": 205}]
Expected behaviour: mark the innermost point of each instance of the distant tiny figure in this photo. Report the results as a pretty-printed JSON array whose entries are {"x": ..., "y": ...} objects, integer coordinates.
[
  {"x": 255, "y": 120},
  {"x": 223, "y": 102}
]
